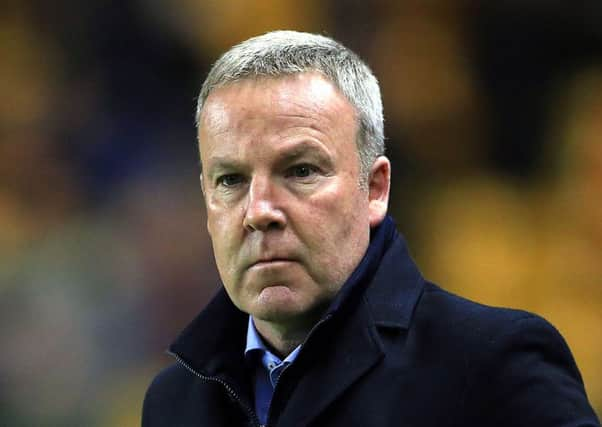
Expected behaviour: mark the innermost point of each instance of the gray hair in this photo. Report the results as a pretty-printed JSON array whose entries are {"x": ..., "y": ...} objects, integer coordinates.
[{"x": 281, "y": 53}]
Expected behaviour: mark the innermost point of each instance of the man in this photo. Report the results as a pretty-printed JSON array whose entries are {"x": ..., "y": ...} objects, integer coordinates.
[{"x": 324, "y": 320}]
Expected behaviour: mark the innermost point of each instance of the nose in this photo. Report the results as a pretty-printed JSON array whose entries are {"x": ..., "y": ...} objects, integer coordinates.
[{"x": 262, "y": 213}]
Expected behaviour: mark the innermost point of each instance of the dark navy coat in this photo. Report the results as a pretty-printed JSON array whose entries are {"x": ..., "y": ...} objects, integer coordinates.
[{"x": 398, "y": 351}]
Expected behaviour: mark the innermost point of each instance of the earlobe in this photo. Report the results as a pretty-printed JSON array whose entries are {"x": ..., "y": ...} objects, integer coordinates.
[{"x": 378, "y": 186}]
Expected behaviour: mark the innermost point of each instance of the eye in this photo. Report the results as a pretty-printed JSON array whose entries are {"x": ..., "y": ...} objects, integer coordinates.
[
  {"x": 302, "y": 171},
  {"x": 230, "y": 180}
]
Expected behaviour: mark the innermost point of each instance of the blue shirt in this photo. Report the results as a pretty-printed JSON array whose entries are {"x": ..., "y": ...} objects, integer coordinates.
[{"x": 267, "y": 368}]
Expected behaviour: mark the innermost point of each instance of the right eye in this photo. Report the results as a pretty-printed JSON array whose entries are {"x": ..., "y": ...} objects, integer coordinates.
[{"x": 229, "y": 180}]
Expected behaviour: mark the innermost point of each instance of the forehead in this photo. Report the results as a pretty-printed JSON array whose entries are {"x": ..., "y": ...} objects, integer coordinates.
[
  {"x": 259, "y": 118},
  {"x": 305, "y": 96}
]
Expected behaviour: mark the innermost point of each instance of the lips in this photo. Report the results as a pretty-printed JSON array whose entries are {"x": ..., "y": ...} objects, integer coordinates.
[{"x": 270, "y": 261}]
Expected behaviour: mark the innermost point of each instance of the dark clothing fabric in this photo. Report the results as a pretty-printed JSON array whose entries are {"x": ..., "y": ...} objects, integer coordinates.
[{"x": 394, "y": 350}]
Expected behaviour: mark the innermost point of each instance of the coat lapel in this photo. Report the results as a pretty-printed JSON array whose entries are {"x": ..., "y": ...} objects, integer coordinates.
[{"x": 345, "y": 359}]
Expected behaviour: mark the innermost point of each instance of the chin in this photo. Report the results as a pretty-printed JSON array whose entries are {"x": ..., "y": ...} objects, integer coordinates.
[
  {"x": 276, "y": 315},
  {"x": 274, "y": 305},
  {"x": 279, "y": 310}
]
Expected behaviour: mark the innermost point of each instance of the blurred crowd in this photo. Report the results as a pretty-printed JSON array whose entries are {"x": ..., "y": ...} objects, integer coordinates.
[{"x": 494, "y": 127}]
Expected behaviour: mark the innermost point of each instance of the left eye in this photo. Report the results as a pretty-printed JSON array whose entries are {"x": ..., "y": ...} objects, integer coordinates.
[{"x": 302, "y": 171}]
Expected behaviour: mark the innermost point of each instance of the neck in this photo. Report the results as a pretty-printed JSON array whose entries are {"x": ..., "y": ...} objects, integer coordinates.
[{"x": 282, "y": 339}]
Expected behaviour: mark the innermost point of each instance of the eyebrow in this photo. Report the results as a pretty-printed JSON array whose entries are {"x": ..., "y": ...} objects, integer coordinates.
[
  {"x": 222, "y": 163},
  {"x": 298, "y": 150},
  {"x": 302, "y": 149}
]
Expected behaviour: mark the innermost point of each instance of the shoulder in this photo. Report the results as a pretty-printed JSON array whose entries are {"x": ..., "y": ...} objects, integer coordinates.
[
  {"x": 518, "y": 366},
  {"x": 488, "y": 336},
  {"x": 169, "y": 380},
  {"x": 167, "y": 387},
  {"x": 464, "y": 319}
]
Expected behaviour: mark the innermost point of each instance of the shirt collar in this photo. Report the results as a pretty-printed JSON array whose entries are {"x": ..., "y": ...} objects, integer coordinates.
[
  {"x": 256, "y": 345},
  {"x": 254, "y": 341}
]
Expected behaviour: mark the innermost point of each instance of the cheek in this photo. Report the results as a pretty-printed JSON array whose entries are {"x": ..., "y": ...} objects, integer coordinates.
[
  {"x": 222, "y": 238},
  {"x": 338, "y": 230},
  {"x": 224, "y": 221},
  {"x": 343, "y": 210}
]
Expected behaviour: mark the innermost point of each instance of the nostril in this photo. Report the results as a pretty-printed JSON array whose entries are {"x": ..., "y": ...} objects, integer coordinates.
[{"x": 274, "y": 225}]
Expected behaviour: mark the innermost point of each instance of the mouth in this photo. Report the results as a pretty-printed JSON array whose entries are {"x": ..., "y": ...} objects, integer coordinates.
[{"x": 271, "y": 262}]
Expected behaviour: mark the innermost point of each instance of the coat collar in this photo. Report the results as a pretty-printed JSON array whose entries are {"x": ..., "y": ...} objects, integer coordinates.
[
  {"x": 395, "y": 288},
  {"x": 214, "y": 341}
]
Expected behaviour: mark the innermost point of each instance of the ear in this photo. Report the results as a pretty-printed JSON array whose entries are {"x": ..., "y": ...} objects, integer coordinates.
[
  {"x": 202, "y": 181},
  {"x": 202, "y": 184},
  {"x": 379, "y": 185}
]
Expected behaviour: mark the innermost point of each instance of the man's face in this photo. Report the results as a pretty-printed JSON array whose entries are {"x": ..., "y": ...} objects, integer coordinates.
[{"x": 288, "y": 219}]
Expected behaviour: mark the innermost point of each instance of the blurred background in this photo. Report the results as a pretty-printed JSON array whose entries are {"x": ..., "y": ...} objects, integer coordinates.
[{"x": 494, "y": 124}]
